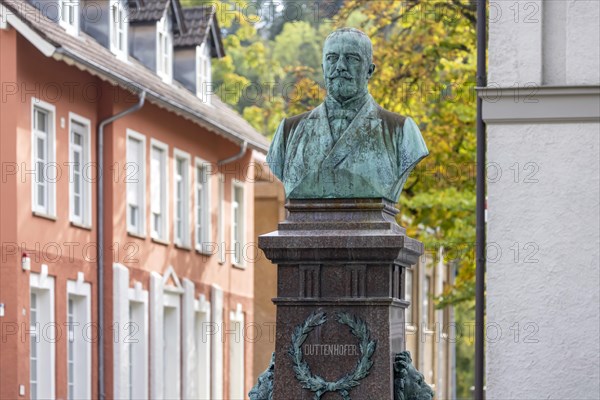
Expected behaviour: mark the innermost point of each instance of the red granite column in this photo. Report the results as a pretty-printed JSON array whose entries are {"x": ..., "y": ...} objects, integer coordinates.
[{"x": 340, "y": 315}]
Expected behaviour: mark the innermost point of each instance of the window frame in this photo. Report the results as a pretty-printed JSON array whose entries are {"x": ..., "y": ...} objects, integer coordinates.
[
  {"x": 408, "y": 296},
  {"x": 115, "y": 27},
  {"x": 185, "y": 240},
  {"x": 164, "y": 191},
  {"x": 203, "y": 72},
  {"x": 203, "y": 347},
  {"x": 138, "y": 381},
  {"x": 203, "y": 240},
  {"x": 73, "y": 29},
  {"x": 83, "y": 371},
  {"x": 49, "y": 210},
  {"x": 237, "y": 359},
  {"x": 164, "y": 29},
  {"x": 221, "y": 219},
  {"x": 141, "y": 194},
  {"x": 44, "y": 286},
  {"x": 235, "y": 261},
  {"x": 427, "y": 303},
  {"x": 172, "y": 375},
  {"x": 86, "y": 184}
]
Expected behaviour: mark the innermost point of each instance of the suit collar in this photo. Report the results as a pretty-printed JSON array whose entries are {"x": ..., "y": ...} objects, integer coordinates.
[{"x": 369, "y": 110}]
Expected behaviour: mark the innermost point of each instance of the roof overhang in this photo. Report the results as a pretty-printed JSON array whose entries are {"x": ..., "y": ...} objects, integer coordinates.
[{"x": 71, "y": 58}]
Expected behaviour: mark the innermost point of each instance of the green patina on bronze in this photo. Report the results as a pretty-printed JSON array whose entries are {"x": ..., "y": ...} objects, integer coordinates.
[
  {"x": 343, "y": 385},
  {"x": 347, "y": 147},
  {"x": 408, "y": 382}
]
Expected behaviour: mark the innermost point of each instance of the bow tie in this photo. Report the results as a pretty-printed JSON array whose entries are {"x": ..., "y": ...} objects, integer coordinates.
[{"x": 341, "y": 114}]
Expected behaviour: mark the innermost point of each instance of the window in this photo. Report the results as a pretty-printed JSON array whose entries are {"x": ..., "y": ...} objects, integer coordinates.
[
  {"x": 221, "y": 219},
  {"x": 118, "y": 28},
  {"x": 203, "y": 344},
  {"x": 43, "y": 154},
  {"x": 165, "y": 337},
  {"x": 171, "y": 346},
  {"x": 236, "y": 354},
  {"x": 203, "y": 72},
  {"x": 130, "y": 351},
  {"x": 158, "y": 189},
  {"x": 181, "y": 197},
  {"x": 202, "y": 226},
  {"x": 79, "y": 345},
  {"x": 164, "y": 51},
  {"x": 69, "y": 15},
  {"x": 408, "y": 295},
  {"x": 43, "y": 335},
  {"x": 426, "y": 295},
  {"x": 33, "y": 354},
  {"x": 136, "y": 182},
  {"x": 237, "y": 222},
  {"x": 137, "y": 331},
  {"x": 80, "y": 184}
]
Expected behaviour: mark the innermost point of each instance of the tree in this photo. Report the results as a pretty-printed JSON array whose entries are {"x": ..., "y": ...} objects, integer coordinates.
[
  {"x": 265, "y": 80},
  {"x": 426, "y": 66}
]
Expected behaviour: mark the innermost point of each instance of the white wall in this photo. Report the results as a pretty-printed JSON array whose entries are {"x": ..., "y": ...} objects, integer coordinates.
[
  {"x": 543, "y": 299},
  {"x": 555, "y": 290},
  {"x": 550, "y": 42}
]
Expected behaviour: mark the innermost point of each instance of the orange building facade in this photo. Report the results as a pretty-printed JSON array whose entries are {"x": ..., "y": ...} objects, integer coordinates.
[{"x": 167, "y": 317}]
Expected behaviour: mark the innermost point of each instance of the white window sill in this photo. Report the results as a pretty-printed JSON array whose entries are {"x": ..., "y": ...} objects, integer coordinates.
[
  {"x": 158, "y": 240},
  {"x": 136, "y": 235},
  {"x": 44, "y": 215},
  {"x": 238, "y": 265},
  {"x": 201, "y": 250},
  {"x": 183, "y": 246},
  {"x": 81, "y": 226}
]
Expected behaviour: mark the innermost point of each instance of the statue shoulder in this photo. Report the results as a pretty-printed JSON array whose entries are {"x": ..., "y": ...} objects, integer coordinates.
[
  {"x": 291, "y": 123},
  {"x": 391, "y": 119}
]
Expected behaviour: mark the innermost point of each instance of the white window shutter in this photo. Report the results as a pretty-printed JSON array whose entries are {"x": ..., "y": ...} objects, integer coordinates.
[
  {"x": 156, "y": 336},
  {"x": 217, "y": 344},
  {"x": 188, "y": 345},
  {"x": 156, "y": 174}
]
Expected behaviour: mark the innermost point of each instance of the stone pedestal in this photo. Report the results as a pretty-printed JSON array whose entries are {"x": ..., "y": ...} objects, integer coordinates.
[{"x": 339, "y": 256}]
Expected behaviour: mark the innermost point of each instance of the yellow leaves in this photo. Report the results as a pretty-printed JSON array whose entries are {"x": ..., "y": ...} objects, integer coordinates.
[{"x": 424, "y": 52}]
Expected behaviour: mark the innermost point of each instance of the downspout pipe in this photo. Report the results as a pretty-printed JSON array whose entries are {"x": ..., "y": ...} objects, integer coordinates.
[
  {"x": 100, "y": 238},
  {"x": 480, "y": 207},
  {"x": 243, "y": 148}
]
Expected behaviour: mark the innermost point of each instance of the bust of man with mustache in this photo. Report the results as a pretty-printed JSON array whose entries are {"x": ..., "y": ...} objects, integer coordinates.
[{"x": 347, "y": 147}]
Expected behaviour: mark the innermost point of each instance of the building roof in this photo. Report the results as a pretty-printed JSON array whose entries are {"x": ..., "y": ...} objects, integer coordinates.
[
  {"x": 146, "y": 10},
  {"x": 197, "y": 21},
  {"x": 87, "y": 54}
]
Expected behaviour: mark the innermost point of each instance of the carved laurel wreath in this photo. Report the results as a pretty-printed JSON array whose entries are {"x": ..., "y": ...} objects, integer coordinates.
[{"x": 317, "y": 384}]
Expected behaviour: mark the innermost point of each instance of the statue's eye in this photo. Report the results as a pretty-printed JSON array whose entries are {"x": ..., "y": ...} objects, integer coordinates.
[
  {"x": 332, "y": 58},
  {"x": 353, "y": 59}
]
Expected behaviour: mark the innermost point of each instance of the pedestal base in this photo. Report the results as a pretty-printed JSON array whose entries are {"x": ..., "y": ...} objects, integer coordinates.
[{"x": 340, "y": 307}]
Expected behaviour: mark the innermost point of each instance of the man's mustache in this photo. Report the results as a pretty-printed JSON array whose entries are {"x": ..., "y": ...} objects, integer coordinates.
[{"x": 343, "y": 75}]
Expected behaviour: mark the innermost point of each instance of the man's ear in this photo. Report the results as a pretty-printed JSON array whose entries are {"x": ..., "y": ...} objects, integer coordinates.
[{"x": 371, "y": 71}]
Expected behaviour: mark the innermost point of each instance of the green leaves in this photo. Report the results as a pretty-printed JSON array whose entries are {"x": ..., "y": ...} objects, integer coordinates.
[{"x": 425, "y": 57}]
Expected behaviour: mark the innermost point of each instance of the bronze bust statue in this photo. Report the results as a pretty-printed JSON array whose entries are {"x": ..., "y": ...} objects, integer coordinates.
[{"x": 347, "y": 147}]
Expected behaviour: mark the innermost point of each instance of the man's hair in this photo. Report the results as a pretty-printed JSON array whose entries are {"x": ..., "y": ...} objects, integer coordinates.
[{"x": 362, "y": 37}]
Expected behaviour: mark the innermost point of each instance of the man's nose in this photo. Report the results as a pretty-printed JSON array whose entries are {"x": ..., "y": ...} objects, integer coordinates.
[{"x": 341, "y": 64}]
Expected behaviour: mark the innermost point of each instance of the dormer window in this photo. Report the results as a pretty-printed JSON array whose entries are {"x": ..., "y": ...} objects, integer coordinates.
[
  {"x": 164, "y": 52},
  {"x": 203, "y": 72},
  {"x": 118, "y": 28},
  {"x": 69, "y": 15}
]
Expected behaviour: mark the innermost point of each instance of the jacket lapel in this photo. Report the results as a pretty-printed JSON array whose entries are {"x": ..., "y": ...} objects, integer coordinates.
[{"x": 309, "y": 144}]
